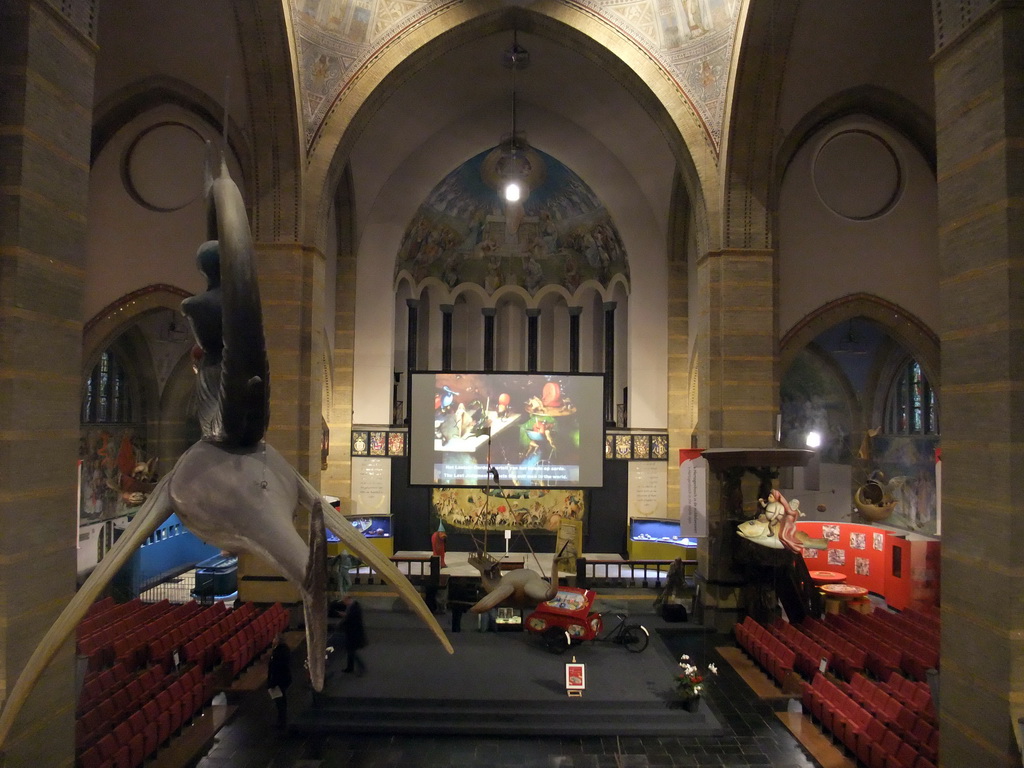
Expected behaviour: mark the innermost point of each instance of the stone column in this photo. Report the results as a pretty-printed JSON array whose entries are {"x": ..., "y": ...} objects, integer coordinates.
[
  {"x": 979, "y": 93},
  {"x": 489, "y": 313},
  {"x": 532, "y": 338},
  {"x": 291, "y": 289},
  {"x": 681, "y": 417},
  {"x": 736, "y": 402},
  {"x": 574, "y": 339},
  {"x": 609, "y": 363},
  {"x": 447, "y": 310},
  {"x": 47, "y": 68}
]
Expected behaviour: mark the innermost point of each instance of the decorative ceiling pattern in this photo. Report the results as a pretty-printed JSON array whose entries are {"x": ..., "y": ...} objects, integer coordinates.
[{"x": 691, "y": 39}]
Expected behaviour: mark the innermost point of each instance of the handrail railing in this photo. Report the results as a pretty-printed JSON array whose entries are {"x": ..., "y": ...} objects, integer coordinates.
[{"x": 644, "y": 573}]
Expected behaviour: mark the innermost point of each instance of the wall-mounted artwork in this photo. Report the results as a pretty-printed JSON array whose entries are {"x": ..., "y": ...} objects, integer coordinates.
[
  {"x": 464, "y": 233},
  {"x": 904, "y": 467},
  {"x": 481, "y": 509},
  {"x": 116, "y": 476}
]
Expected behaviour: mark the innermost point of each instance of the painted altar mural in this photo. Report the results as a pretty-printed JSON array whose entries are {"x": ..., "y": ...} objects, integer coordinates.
[
  {"x": 691, "y": 39},
  {"x": 494, "y": 509},
  {"x": 115, "y": 476},
  {"x": 464, "y": 233}
]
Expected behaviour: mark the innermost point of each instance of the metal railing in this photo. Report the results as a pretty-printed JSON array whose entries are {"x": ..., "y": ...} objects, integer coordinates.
[
  {"x": 422, "y": 571},
  {"x": 177, "y": 589}
]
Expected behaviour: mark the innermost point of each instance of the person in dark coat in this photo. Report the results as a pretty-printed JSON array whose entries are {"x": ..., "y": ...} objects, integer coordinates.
[
  {"x": 355, "y": 634},
  {"x": 279, "y": 677}
]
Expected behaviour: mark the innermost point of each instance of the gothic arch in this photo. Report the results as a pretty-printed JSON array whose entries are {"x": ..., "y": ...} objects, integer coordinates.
[
  {"x": 911, "y": 333},
  {"x": 749, "y": 135},
  {"x": 594, "y": 37},
  {"x": 118, "y": 316}
]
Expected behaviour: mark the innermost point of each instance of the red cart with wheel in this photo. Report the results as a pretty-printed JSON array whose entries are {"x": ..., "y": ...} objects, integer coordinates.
[{"x": 565, "y": 619}]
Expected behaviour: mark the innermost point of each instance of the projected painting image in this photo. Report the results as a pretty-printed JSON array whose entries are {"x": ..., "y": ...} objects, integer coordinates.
[{"x": 510, "y": 429}]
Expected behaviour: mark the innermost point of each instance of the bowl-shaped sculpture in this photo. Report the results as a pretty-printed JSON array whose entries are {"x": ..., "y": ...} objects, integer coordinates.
[{"x": 872, "y": 502}]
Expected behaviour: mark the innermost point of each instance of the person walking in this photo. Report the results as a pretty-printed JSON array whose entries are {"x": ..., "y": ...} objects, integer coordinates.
[
  {"x": 279, "y": 677},
  {"x": 355, "y": 634}
]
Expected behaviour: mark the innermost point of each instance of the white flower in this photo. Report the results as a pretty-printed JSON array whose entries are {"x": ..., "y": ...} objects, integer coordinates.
[{"x": 713, "y": 669}]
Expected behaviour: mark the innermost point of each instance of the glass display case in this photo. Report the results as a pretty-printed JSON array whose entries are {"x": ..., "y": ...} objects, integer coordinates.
[
  {"x": 654, "y": 538},
  {"x": 376, "y": 528},
  {"x": 658, "y": 530}
]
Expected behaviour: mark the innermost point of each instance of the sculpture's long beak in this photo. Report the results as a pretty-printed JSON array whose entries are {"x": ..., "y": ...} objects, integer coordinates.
[{"x": 374, "y": 557}]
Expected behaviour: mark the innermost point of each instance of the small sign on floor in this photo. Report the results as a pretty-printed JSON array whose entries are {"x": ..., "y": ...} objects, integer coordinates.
[{"x": 575, "y": 678}]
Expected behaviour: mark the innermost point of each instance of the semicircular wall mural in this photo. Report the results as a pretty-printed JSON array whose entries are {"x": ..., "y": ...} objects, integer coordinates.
[{"x": 465, "y": 233}]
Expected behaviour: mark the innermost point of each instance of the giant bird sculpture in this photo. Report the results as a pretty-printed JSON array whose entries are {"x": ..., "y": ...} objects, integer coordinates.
[
  {"x": 231, "y": 489},
  {"x": 522, "y": 587}
]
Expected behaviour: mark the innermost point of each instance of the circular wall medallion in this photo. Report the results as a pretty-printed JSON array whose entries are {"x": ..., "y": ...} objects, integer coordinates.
[
  {"x": 857, "y": 175},
  {"x": 163, "y": 167}
]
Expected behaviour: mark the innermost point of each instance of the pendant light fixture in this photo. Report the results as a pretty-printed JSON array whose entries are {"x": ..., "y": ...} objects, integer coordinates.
[{"x": 514, "y": 166}]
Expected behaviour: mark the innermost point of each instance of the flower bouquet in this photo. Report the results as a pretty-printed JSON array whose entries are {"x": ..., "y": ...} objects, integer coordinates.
[{"x": 689, "y": 682}]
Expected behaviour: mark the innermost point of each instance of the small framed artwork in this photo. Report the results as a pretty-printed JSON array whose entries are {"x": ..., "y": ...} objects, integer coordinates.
[{"x": 575, "y": 678}]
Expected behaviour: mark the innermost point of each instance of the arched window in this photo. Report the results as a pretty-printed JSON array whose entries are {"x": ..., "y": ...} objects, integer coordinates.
[
  {"x": 108, "y": 397},
  {"x": 911, "y": 408}
]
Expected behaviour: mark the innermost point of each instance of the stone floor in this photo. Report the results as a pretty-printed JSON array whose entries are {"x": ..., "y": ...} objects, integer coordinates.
[{"x": 754, "y": 736}]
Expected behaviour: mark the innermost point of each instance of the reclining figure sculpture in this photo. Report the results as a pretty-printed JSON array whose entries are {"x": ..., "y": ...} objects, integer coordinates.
[{"x": 231, "y": 489}]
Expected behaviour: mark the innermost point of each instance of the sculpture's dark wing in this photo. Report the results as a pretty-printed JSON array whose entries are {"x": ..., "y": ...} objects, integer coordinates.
[{"x": 245, "y": 372}]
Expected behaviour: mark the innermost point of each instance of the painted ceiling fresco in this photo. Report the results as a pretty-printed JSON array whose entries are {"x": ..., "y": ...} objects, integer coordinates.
[
  {"x": 691, "y": 39},
  {"x": 464, "y": 233}
]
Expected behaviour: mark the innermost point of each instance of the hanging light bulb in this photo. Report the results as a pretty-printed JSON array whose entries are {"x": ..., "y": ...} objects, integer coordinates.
[{"x": 513, "y": 191}]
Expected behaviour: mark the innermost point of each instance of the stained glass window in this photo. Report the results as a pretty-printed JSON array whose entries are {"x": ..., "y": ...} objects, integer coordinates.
[
  {"x": 911, "y": 408},
  {"x": 107, "y": 398}
]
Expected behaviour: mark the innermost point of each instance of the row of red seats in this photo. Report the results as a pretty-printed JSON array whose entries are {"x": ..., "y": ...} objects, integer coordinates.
[
  {"x": 915, "y": 695},
  {"x": 202, "y": 649},
  {"x": 118, "y": 620},
  {"x": 847, "y": 658},
  {"x": 96, "y": 685},
  {"x": 770, "y": 653},
  {"x": 924, "y": 634},
  {"x": 140, "y": 735},
  {"x": 100, "y": 693},
  {"x": 809, "y": 653},
  {"x": 127, "y": 637},
  {"x": 105, "y": 612},
  {"x": 101, "y": 605},
  {"x": 107, "y": 713},
  {"x": 926, "y": 617},
  {"x": 865, "y": 736},
  {"x": 162, "y": 648},
  {"x": 883, "y": 659},
  {"x": 914, "y": 657},
  {"x": 241, "y": 648},
  {"x": 921, "y": 731}
]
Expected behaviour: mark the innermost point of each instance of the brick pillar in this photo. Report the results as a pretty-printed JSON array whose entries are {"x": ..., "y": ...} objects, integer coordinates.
[
  {"x": 979, "y": 97},
  {"x": 737, "y": 399},
  {"x": 46, "y": 94},
  {"x": 337, "y": 480},
  {"x": 680, "y": 411},
  {"x": 291, "y": 290}
]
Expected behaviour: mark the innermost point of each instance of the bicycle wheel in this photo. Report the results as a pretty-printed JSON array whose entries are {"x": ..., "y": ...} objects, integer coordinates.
[{"x": 635, "y": 637}]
